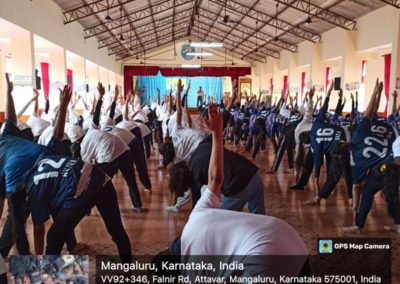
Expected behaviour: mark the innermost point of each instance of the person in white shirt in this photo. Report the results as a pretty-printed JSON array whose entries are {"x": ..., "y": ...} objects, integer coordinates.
[
  {"x": 184, "y": 139},
  {"x": 138, "y": 156},
  {"x": 249, "y": 234},
  {"x": 110, "y": 153},
  {"x": 141, "y": 131},
  {"x": 200, "y": 97}
]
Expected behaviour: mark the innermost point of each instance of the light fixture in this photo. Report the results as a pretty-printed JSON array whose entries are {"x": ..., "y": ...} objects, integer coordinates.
[
  {"x": 309, "y": 20},
  {"x": 190, "y": 65},
  {"x": 206, "y": 44},
  {"x": 199, "y": 54},
  {"x": 121, "y": 38}
]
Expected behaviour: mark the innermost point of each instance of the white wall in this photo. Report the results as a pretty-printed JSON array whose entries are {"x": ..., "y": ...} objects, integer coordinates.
[{"x": 45, "y": 18}]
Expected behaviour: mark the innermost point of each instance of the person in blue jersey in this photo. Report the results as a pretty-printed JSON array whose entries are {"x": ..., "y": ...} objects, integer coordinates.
[
  {"x": 259, "y": 129},
  {"x": 370, "y": 149},
  {"x": 285, "y": 126},
  {"x": 336, "y": 147},
  {"x": 17, "y": 157},
  {"x": 65, "y": 189},
  {"x": 323, "y": 137}
]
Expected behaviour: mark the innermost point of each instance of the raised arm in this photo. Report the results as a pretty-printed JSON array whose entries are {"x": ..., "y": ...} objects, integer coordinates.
[
  {"x": 170, "y": 103},
  {"x": 25, "y": 107},
  {"x": 178, "y": 103},
  {"x": 85, "y": 104},
  {"x": 394, "y": 107},
  {"x": 127, "y": 101},
  {"x": 216, "y": 165},
  {"x": 189, "y": 119},
  {"x": 371, "y": 105},
  {"x": 96, "y": 114},
  {"x": 233, "y": 98},
  {"x": 65, "y": 97},
  {"x": 114, "y": 102},
  {"x": 78, "y": 97},
  {"x": 378, "y": 97},
  {"x": 10, "y": 108}
]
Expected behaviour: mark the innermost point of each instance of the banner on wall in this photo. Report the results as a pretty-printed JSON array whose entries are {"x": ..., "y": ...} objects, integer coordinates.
[
  {"x": 352, "y": 86},
  {"x": 22, "y": 80}
]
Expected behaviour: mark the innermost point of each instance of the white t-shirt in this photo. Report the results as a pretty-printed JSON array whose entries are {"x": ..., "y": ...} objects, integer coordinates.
[
  {"x": 170, "y": 128},
  {"x": 129, "y": 125},
  {"x": 74, "y": 132},
  {"x": 47, "y": 134},
  {"x": 122, "y": 133},
  {"x": 214, "y": 231},
  {"x": 185, "y": 142},
  {"x": 37, "y": 125},
  {"x": 101, "y": 146}
]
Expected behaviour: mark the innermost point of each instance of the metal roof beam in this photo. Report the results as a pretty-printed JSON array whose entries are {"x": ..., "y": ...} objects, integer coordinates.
[
  {"x": 91, "y": 9},
  {"x": 134, "y": 17},
  {"x": 249, "y": 30},
  {"x": 320, "y": 13}
]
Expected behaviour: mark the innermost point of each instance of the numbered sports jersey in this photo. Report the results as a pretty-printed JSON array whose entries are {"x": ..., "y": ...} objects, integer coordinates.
[
  {"x": 370, "y": 146},
  {"x": 323, "y": 137},
  {"x": 269, "y": 122},
  {"x": 17, "y": 157},
  {"x": 61, "y": 182}
]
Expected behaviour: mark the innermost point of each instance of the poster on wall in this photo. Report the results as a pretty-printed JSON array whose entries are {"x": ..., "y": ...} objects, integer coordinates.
[
  {"x": 22, "y": 80},
  {"x": 245, "y": 86},
  {"x": 352, "y": 86}
]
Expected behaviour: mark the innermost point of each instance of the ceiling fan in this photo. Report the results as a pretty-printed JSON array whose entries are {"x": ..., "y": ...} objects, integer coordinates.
[
  {"x": 108, "y": 18},
  {"x": 121, "y": 37},
  {"x": 226, "y": 18},
  {"x": 309, "y": 19}
]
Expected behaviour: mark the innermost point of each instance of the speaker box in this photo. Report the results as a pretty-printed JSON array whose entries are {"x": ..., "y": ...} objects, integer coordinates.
[
  {"x": 38, "y": 80},
  {"x": 87, "y": 88},
  {"x": 337, "y": 83},
  {"x": 109, "y": 87},
  {"x": 68, "y": 80}
]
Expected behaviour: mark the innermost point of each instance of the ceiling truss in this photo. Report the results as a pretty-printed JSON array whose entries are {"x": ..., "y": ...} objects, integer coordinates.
[{"x": 133, "y": 32}]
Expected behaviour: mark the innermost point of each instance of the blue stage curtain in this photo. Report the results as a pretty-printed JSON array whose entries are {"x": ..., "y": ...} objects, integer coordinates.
[{"x": 212, "y": 86}]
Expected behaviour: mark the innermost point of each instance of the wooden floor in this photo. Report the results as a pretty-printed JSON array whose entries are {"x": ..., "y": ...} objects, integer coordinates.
[{"x": 152, "y": 229}]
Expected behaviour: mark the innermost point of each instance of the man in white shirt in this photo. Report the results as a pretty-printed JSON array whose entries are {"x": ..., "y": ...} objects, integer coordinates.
[
  {"x": 244, "y": 234},
  {"x": 200, "y": 97}
]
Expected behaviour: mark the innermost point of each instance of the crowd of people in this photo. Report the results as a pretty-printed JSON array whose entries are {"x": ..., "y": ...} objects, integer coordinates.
[{"x": 61, "y": 163}]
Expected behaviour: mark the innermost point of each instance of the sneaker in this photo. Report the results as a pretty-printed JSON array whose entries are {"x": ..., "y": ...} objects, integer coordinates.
[
  {"x": 352, "y": 229},
  {"x": 393, "y": 228},
  {"x": 136, "y": 209},
  {"x": 184, "y": 199},
  {"x": 173, "y": 209}
]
